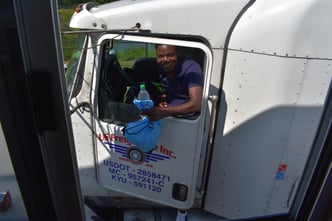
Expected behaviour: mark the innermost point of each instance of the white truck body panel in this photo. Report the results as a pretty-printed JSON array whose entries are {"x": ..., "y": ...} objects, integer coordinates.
[
  {"x": 276, "y": 74},
  {"x": 185, "y": 17},
  {"x": 285, "y": 28},
  {"x": 274, "y": 84},
  {"x": 276, "y": 119}
]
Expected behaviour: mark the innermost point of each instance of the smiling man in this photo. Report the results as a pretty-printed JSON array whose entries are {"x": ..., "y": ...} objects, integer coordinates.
[{"x": 183, "y": 83}]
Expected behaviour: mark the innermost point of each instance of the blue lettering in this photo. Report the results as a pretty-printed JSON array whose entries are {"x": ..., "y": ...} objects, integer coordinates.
[
  {"x": 114, "y": 171},
  {"x": 116, "y": 165},
  {"x": 119, "y": 178}
]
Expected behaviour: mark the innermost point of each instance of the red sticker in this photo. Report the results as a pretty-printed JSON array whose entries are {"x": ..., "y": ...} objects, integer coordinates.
[{"x": 282, "y": 168}]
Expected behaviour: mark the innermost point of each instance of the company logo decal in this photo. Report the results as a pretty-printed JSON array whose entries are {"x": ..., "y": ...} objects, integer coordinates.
[
  {"x": 159, "y": 153},
  {"x": 150, "y": 157}
]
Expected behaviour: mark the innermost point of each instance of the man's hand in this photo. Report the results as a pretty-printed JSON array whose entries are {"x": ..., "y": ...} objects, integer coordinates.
[
  {"x": 154, "y": 114},
  {"x": 192, "y": 106}
]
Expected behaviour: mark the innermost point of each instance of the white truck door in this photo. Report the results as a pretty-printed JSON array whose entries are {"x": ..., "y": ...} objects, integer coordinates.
[{"x": 168, "y": 174}]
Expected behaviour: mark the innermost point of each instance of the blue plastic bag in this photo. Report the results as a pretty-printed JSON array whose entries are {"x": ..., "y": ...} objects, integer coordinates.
[
  {"x": 143, "y": 104},
  {"x": 143, "y": 133}
]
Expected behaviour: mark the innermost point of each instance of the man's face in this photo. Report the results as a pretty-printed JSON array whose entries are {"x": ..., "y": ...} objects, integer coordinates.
[{"x": 167, "y": 57}]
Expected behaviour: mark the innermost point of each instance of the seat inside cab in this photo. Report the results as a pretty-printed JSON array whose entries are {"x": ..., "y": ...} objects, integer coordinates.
[{"x": 119, "y": 86}]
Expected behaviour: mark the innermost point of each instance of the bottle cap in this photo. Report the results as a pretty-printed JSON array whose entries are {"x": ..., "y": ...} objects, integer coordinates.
[{"x": 142, "y": 86}]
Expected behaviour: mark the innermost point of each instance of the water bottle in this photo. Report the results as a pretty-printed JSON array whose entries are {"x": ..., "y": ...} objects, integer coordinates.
[{"x": 143, "y": 93}]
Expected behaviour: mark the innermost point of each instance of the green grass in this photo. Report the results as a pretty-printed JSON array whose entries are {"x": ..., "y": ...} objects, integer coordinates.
[
  {"x": 68, "y": 40},
  {"x": 128, "y": 57}
]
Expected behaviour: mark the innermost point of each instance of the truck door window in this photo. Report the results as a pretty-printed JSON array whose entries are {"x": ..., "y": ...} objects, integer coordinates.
[
  {"x": 124, "y": 65},
  {"x": 113, "y": 86}
]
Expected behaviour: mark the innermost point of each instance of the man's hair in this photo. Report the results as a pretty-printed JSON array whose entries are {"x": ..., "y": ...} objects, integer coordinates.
[{"x": 157, "y": 45}]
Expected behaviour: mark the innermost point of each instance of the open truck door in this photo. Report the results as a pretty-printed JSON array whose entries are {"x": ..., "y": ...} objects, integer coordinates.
[{"x": 167, "y": 174}]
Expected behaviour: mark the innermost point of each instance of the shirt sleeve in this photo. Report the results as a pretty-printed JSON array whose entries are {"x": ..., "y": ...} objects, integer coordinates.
[{"x": 194, "y": 75}]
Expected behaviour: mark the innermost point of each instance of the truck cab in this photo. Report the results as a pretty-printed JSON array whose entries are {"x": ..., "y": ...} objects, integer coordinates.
[{"x": 265, "y": 85}]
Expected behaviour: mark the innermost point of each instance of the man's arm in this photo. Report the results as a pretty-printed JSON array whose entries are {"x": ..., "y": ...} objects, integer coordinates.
[{"x": 192, "y": 106}]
